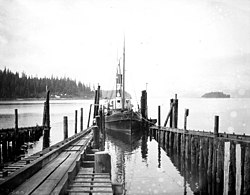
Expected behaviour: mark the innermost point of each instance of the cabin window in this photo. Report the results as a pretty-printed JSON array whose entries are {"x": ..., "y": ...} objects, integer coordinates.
[{"x": 118, "y": 101}]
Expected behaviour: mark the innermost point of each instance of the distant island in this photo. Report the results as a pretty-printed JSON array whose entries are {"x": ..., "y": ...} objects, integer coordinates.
[{"x": 215, "y": 95}]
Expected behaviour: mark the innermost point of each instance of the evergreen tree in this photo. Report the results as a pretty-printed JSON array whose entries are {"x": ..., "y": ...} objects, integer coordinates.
[{"x": 13, "y": 86}]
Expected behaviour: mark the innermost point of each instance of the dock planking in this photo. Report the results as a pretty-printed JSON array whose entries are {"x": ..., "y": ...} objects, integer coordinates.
[
  {"x": 87, "y": 181},
  {"x": 46, "y": 180},
  {"x": 48, "y": 167}
]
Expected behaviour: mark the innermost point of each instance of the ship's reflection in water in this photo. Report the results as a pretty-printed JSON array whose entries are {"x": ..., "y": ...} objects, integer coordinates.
[{"x": 142, "y": 166}]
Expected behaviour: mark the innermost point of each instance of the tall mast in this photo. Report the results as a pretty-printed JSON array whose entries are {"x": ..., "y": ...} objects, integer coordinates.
[{"x": 123, "y": 82}]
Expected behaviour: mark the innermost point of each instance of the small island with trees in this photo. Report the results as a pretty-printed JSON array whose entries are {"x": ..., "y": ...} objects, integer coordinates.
[{"x": 215, "y": 95}]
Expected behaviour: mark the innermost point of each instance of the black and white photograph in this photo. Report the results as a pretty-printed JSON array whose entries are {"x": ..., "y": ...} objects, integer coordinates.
[{"x": 125, "y": 97}]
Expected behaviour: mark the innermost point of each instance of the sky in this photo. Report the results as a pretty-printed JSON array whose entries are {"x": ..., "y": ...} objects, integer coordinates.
[{"x": 187, "y": 47}]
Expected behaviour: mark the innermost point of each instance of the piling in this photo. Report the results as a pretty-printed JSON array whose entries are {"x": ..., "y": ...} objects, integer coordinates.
[
  {"x": 211, "y": 162},
  {"x": 232, "y": 170},
  {"x": 4, "y": 150},
  {"x": 16, "y": 119},
  {"x": 175, "y": 113},
  {"x": 243, "y": 151},
  {"x": 81, "y": 120},
  {"x": 247, "y": 170},
  {"x": 216, "y": 126},
  {"x": 96, "y": 137},
  {"x": 89, "y": 115},
  {"x": 201, "y": 167},
  {"x": 14, "y": 144},
  {"x": 171, "y": 113},
  {"x": 220, "y": 167},
  {"x": 96, "y": 103},
  {"x": 65, "y": 127},
  {"x": 102, "y": 162},
  {"x": 75, "y": 121},
  {"x": 46, "y": 138},
  {"x": 185, "y": 119},
  {"x": 46, "y": 114},
  {"x": 98, "y": 122},
  {"x": 144, "y": 104},
  {"x": 103, "y": 123},
  {"x": 101, "y": 120},
  {"x": 193, "y": 154},
  {"x": 159, "y": 116}
]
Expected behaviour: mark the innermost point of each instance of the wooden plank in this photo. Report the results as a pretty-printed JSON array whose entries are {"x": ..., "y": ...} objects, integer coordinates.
[
  {"x": 10, "y": 168},
  {"x": 96, "y": 191},
  {"x": 93, "y": 176},
  {"x": 238, "y": 169},
  {"x": 89, "y": 184},
  {"x": 51, "y": 182},
  {"x": 74, "y": 148},
  {"x": 83, "y": 181},
  {"x": 77, "y": 193},
  {"x": 86, "y": 170},
  {"x": 95, "y": 179},
  {"x": 31, "y": 184},
  {"x": 98, "y": 174},
  {"x": 81, "y": 188},
  {"x": 81, "y": 184},
  {"x": 226, "y": 167}
]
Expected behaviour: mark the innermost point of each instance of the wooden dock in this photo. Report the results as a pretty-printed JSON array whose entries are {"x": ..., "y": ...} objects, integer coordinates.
[
  {"x": 56, "y": 170},
  {"x": 211, "y": 162},
  {"x": 14, "y": 141}
]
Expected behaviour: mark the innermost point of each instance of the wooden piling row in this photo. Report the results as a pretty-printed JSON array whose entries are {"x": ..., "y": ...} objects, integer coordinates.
[
  {"x": 213, "y": 163},
  {"x": 81, "y": 120},
  {"x": 144, "y": 108},
  {"x": 65, "y": 127},
  {"x": 13, "y": 142}
]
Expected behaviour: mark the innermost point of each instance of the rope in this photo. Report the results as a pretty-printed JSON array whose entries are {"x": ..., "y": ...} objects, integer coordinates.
[{"x": 144, "y": 118}]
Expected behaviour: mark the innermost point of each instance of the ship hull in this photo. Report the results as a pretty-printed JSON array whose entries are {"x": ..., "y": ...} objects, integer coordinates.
[{"x": 126, "y": 122}]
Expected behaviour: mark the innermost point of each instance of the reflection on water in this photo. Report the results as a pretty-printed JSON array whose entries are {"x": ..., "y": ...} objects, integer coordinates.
[
  {"x": 142, "y": 166},
  {"x": 138, "y": 162}
]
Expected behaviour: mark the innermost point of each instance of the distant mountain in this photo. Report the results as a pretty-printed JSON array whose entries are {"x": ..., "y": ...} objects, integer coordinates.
[
  {"x": 215, "y": 95},
  {"x": 109, "y": 94}
]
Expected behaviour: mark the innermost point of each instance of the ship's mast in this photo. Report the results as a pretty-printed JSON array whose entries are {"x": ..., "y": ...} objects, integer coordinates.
[{"x": 123, "y": 77}]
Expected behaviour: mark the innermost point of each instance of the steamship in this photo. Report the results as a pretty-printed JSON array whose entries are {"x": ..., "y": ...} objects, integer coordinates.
[{"x": 120, "y": 115}]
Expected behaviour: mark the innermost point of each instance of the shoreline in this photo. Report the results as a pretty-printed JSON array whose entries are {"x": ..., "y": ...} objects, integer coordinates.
[{"x": 38, "y": 99}]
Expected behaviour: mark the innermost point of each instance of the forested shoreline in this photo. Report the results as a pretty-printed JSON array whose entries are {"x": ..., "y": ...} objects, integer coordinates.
[{"x": 15, "y": 86}]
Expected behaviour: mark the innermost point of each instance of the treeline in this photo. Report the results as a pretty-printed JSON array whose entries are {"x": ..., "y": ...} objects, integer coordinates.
[{"x": 13, "y": 86}]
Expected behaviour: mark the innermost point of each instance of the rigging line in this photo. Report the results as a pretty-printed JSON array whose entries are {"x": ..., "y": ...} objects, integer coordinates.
[{"x": 132, "y": 78}]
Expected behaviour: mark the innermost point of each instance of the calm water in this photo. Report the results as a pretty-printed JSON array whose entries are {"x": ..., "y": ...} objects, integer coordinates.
[{"x": 138, "y": 162}]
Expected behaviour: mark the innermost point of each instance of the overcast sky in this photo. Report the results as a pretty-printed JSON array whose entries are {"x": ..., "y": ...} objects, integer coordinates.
[{"x": 182, "y": 46}]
